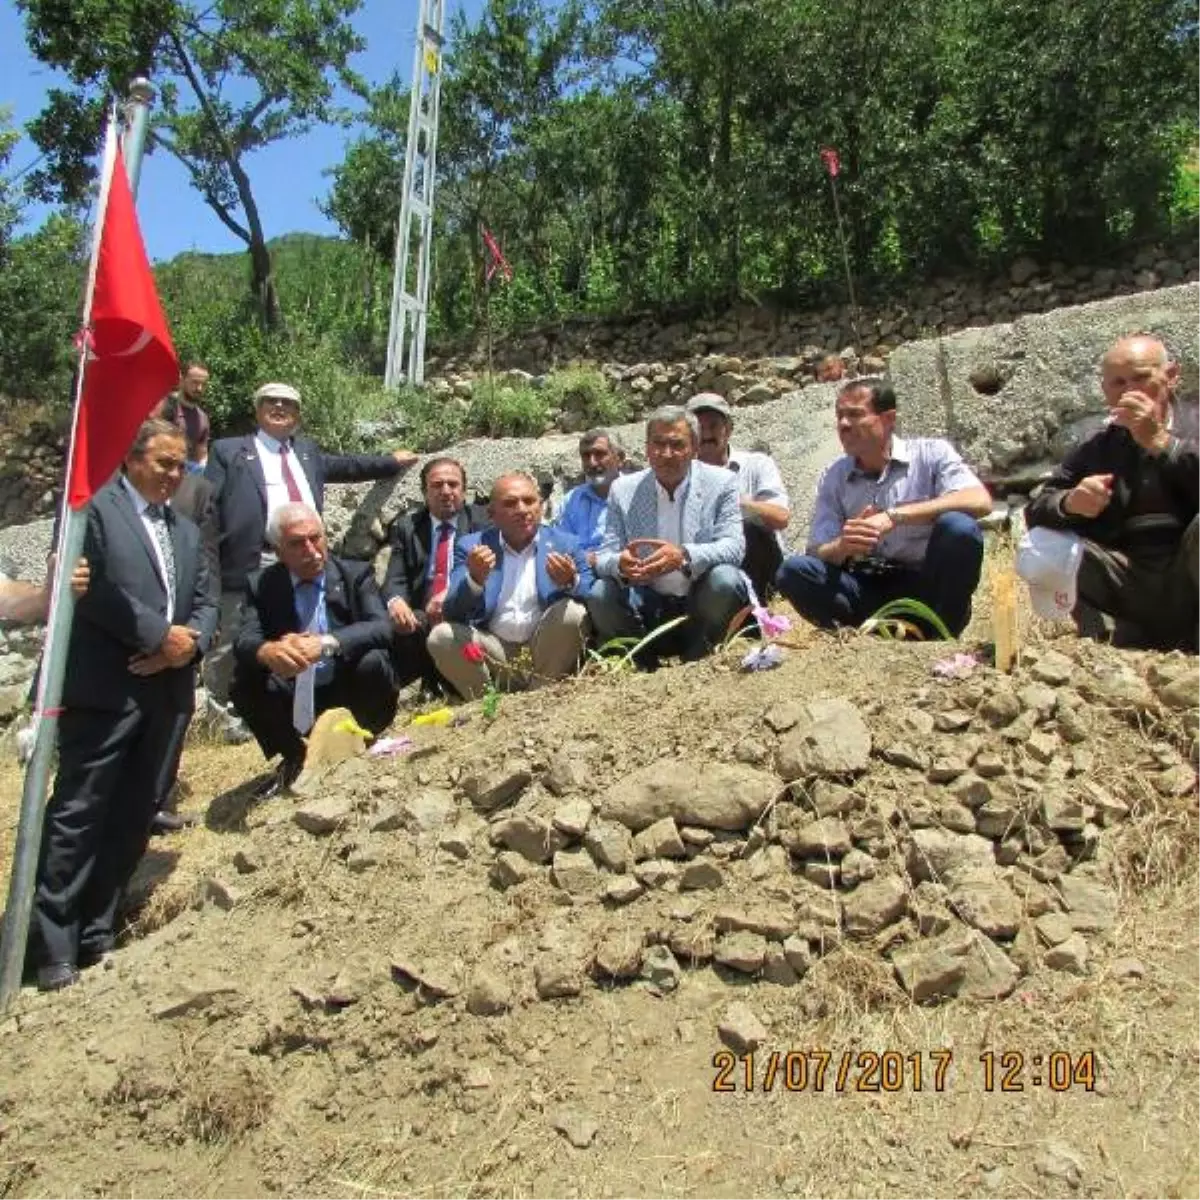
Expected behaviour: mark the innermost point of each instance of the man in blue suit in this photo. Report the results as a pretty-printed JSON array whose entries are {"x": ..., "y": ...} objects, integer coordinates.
[
  {"x": 673, "y": 545},
  {"x": 518, "y": 586}
]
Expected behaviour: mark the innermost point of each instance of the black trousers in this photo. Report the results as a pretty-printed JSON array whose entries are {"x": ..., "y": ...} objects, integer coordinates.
[
  {"x": 367, "y": 687},
  {"x": 410, "y": 656},
  {"x": 113, "y": 767},
  {"x": 762, "y": 560}
]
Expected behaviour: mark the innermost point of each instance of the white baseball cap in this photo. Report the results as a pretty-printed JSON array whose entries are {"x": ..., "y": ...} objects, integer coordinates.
[{"x": 1048, "y": 560}]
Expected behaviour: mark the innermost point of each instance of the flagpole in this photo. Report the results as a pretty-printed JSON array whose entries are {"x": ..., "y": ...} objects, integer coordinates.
[
  {"x": 72, "y": 528},
  {"x": 837, "y": 211},
  {"x": 829, "y": 156}
]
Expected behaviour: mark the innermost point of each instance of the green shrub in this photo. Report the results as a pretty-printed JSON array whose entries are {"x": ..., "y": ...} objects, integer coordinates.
[
  {"x": 587, "y": 392},
  {"x": 509, "y": 411},
  {"x": 426, "y": 422}
]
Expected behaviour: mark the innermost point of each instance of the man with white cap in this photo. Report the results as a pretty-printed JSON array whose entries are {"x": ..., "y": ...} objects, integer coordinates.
[
  {"x": 257, "y": 474},
  {"x": 1130, "y": 493},
  {"x": 762, "y": 496}
]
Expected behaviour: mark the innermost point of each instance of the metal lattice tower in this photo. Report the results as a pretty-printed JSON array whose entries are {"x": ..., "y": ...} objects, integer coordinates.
[{"x": 414, "y": 236}]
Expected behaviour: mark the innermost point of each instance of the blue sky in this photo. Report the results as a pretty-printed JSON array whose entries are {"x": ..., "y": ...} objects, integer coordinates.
[{"x": 288, "y": 178}]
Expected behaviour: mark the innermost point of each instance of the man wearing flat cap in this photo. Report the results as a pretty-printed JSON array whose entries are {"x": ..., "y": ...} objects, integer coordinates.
[
  {"x": 252, "y": 477},
  {"x": 761, "y": 494}
]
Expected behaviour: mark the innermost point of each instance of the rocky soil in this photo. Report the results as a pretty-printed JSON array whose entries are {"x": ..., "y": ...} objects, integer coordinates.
[{"x": 540, "y": 955}]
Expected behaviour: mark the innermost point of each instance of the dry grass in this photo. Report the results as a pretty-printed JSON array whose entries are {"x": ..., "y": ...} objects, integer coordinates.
[{"x": 223, "y": 1101}]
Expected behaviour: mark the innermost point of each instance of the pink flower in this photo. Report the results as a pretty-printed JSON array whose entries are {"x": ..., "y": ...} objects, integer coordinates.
[
  {"x": 769, "y": 623},
  {"x": 473, "y": 652}
]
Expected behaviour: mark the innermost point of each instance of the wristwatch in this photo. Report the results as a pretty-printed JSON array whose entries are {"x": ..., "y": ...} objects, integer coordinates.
[
  {"x": 330, "y": 646},
  {"x": 687, "y": 563},
  {"x": 893, "y": 515}
]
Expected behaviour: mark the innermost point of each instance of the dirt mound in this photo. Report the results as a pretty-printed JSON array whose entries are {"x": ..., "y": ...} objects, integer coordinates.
[{"x": 700, "y": 932}]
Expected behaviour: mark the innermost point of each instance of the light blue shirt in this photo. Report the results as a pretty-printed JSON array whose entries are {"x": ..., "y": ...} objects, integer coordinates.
[
  {"x": 310, "y": 612},
  {"x": 918, "y": 469},
  {"x": 583, "y": 516}
]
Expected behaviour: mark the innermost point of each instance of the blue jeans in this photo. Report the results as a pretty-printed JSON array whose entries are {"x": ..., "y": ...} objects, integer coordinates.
[
  {"x": 620, "y": 611},
  {"x": 946, "y": 580}
]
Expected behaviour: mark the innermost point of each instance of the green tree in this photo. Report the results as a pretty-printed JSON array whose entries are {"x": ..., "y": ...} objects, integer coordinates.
[
  {"x": 41, "y": 277},
  {"x": 234, "y": 77}
]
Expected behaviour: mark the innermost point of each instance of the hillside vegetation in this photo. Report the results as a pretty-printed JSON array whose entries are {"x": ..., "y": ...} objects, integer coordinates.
[{"x": 634, "y": 156}]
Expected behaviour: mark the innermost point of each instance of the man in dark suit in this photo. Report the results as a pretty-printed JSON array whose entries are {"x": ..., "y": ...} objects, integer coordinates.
[
  {"x": 521, "y": 585},
  {"x": 252, "y": 476},
  {"x": 192, "y": 499},
  {"x": 314, "y": 635},
  {"x": 418, "y": 572},
  {"x": 147, "y": 618}
]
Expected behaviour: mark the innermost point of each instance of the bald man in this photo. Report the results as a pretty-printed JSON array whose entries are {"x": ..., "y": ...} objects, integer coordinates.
[
  {"x": 520, "y": 585},
  {"x": 1131, "y": 492}
]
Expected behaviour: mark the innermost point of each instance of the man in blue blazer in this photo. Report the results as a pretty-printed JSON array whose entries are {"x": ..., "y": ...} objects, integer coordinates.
[
  {"x": 519, "y": 586},
  {"x": 147, "y": 617},
  {"x": 252, "y": 476},
  {"x": 673, "y": 545}
]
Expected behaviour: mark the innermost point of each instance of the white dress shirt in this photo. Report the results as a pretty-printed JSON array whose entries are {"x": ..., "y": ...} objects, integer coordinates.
[
  {"x": 670, "y": 529},
  {"x": 272, "y": 465},
  {"x": 518, "y": 608},
  {"x": 140, "y": 504}
]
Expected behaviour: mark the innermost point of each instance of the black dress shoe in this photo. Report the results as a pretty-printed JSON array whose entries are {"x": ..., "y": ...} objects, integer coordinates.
[
  {"x": 93, "y": 955},
  {"x": 285, "y": 775},
  {"x": 56, "y": 976},
  {"x": 170, "y": 822}
]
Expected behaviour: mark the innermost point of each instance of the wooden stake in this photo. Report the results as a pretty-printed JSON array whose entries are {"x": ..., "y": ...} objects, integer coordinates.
[{"x": 1006, "y": 626}]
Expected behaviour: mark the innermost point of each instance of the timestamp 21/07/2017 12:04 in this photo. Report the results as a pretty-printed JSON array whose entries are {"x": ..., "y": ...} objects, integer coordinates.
[{"x": 815, "y": 1070}]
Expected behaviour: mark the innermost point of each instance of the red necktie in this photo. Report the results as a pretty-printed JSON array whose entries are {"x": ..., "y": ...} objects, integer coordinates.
[
  {"x": 289, "y": 480},
  {"x": 441, "y": 561}
]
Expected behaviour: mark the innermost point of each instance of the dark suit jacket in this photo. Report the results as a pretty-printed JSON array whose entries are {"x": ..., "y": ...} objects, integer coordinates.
[
  {"x": 240, "y": 489},
  {"x": 121, "y": 614},
  {"x": 465, "y": 606},
  {"x": 353, "y": 606},
  {"x": 194, "y": 499},
  {"x": 411, "y": 538}
]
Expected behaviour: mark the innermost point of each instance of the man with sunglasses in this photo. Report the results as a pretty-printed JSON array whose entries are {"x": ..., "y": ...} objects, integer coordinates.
[
  {"x": 252, "y": 477},
  {"x": 895, "y": 518}
]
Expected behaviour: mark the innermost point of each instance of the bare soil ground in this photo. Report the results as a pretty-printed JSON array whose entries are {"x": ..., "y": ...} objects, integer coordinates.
[{"x": 251, "y": 1036}]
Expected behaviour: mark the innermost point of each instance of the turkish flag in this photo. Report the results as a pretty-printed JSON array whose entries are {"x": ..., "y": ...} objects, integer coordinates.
[
  {"x": 129, "y": 362},
  {"x": 497, "y": 260},
  {"x": 829, "y": 157}
]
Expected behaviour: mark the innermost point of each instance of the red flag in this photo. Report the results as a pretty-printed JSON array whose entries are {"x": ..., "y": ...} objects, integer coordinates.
[
  {"x": 830, "y": 158},
  {"x": 130, "y": 361},
  {"x": 497, "y": 261}
]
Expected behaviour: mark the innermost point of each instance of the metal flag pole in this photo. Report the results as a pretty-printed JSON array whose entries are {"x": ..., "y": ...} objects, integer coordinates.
[{"x": 72, "y": 527}]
